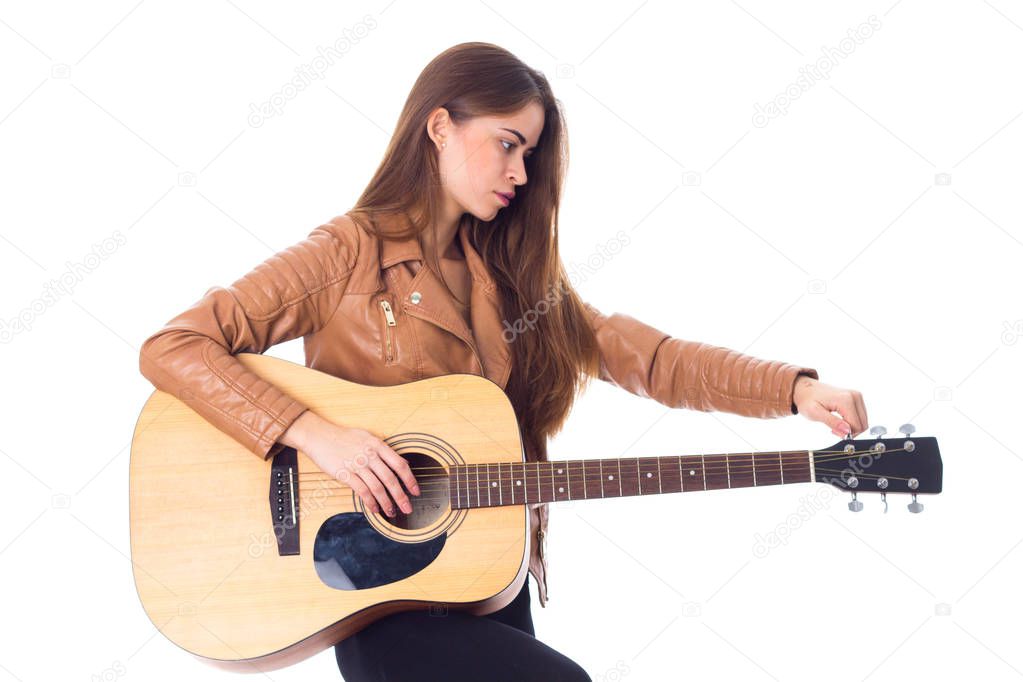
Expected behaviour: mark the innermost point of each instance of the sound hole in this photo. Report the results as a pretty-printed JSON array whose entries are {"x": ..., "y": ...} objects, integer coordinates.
[
  {"x": 433, "y": 500},
  {"x": 350, "y": 554}
]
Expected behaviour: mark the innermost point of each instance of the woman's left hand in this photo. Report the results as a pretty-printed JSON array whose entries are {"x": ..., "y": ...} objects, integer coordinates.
[{"x": 817, "y": 401}]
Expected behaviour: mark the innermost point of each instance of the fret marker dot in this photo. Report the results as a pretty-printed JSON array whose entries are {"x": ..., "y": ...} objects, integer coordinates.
[
  {"x": 648, "y": 474},
  {"x": 559, "y": 471},
  {"x": 494, "y": 484},
  {"x": 518, "y": 482},
  {"x": 692, "y": 473},
  {"x": 610, "y": 477},
  {"x": 561, "y": 490}
]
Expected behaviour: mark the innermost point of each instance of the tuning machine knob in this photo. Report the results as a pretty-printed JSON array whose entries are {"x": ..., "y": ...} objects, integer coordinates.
[
  {"x": 878, "y": 431},
  {"x": 914, "y": 506},
  {"x": 855, "y": 505},
  {"x": 907, "y": 429}
]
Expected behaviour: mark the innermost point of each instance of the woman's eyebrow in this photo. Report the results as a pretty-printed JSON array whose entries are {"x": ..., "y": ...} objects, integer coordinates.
[{"x": 522, "y": 138}]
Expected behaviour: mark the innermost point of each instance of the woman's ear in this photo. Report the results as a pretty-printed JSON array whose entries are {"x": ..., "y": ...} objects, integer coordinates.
[{"x": 438, "y": 127}]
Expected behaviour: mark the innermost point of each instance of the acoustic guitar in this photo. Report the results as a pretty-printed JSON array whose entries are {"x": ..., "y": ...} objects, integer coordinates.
[{"x": 253, "y": 566}]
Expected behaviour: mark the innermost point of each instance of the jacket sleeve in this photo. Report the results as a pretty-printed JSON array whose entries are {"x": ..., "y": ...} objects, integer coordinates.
[
  {"x": 291, "y": 294},
  {"x": 688, "y": 374}
]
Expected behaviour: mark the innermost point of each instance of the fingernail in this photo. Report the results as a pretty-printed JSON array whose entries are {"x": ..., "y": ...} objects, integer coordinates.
[{"x": 415, "y": 489}]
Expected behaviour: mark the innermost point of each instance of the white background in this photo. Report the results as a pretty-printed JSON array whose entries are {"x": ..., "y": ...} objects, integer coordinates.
[{"x": 873, "y": 232}]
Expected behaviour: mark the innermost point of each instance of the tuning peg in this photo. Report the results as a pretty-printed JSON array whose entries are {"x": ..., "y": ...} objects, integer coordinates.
[
  {"x": 907, "y": 429},
  {"x": 878, "y": 431},
  {"x": 884, "y": 501},
  {"x": 914, "y": 506},
  {"x": 855, "y": 505}
]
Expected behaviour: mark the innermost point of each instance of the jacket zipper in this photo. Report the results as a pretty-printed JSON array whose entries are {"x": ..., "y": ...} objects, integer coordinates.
[
  {"x": 389, "y": 319},
  {"x": 543, "y": 559}
]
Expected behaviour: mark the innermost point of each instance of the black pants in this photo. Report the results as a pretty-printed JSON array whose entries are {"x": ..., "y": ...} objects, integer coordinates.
[{"x": 451, "y": 646}]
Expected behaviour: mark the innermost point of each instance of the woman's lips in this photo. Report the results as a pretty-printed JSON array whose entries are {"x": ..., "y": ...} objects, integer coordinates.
[{"x": 502, "y": 198}]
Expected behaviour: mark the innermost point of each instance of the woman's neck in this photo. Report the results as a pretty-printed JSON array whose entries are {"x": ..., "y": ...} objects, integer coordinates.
[{"x": 440, "y": 238}]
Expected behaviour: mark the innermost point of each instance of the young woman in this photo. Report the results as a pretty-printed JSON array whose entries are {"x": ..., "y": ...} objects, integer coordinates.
[{"x": 449, "y": 263}]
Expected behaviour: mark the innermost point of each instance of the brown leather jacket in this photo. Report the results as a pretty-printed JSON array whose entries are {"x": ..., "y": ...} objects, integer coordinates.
[{"x": 330, "y": 289}]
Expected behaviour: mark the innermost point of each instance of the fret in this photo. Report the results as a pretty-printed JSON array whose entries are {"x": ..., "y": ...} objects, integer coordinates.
[
  {"x": 728, "y": 470},
  {"x": 516, "y": 482},
  {"x": 557, "y": 482},
  {"x": 646, "y": 467},
  {"x": 549, "y": 471},
  {"x": 568, "y": 479},
  {"x": 554, "y": 483},
  {"x": 795, "y": 469},
  {"x": 593, "y": 481},
  {"x": 715, "y": 472},
  {"x": 625, "y": 483},
  {"x": 478, "y": 503},
  {"x": 741, "y": 470},
  {"x": 670, "y": 471},
  {"x": 490, "y": 502},
  {"x": 693, "y": 475},
  {"x": 601, "y": 477},
  {"x": 769, "y": 469},
  {"x": 539, "y": 485},
  {"x": 520, "y": 481},
  {"x": 526, "y": 478},
  {"x": 703, "y": 463},
  {"x": 781, "y": 471},
  {"x": 501, "y": 482},
  {"x": 458, "y": 488},
  {"x": 753, "y": 458},
  {"x": 537, "y": 495}
]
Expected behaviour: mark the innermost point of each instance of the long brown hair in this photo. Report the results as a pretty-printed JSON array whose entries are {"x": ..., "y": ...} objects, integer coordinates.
[{"x": 556, "y": 355}]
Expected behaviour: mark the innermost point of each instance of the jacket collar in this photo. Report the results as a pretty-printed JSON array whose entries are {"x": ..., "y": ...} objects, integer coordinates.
[{"x": 487, "y": 334}]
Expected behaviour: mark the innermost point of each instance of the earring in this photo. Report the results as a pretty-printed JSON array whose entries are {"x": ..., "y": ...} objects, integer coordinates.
[{"x": 443, "y": 145}]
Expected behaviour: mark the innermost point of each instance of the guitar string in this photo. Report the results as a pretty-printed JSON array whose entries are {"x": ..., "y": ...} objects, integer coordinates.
[
  {"x": 715, "y": 468},
  {"x": 318, "y": 494},
  {"x": 341, "y": 490},
  {"x": 797, "y": 457},
  {"x": 430, "y": 488},
  {"x": 448, "y": 483},
  {"x": 306, "y": 496},
  {"x": 791, "y": 456}
]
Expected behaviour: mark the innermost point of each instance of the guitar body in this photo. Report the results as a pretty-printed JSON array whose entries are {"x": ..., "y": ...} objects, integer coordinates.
[{"x": 223, "y": 577}]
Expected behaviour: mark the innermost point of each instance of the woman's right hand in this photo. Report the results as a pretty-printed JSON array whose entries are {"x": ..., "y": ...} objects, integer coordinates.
[{"x": 359, "y": 459}]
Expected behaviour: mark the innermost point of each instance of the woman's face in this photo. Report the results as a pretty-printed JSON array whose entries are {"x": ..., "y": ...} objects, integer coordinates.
[{"x": 486, "y": 155}]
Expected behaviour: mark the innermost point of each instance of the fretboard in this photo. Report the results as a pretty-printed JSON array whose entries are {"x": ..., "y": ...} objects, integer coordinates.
[{"x": 497, "y": 484}]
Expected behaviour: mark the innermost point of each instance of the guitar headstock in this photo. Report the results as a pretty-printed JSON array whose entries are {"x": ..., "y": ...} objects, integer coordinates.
[{"x": 910, "y": 464}]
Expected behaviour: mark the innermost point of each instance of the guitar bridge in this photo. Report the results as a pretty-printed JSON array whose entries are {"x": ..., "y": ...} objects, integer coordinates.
[{"x": 284, "y": 500}]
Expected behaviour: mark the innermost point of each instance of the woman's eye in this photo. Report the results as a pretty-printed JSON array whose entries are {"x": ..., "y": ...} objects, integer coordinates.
[{"x": 507, "y": 142}]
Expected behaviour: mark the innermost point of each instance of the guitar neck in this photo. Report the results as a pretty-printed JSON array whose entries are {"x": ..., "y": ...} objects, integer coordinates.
[{"x": 505, "y": 483}]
